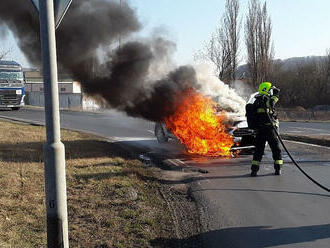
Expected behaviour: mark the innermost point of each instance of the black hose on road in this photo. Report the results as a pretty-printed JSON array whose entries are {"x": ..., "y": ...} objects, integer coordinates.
[{"x": 294, "y": 161}]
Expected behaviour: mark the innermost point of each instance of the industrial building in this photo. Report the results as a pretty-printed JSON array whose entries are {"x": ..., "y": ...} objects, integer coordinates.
[{"x": 70, "y": 95}]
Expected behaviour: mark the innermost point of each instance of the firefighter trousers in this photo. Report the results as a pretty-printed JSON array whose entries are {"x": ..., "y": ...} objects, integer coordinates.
[{"x": 266, "y": 134}]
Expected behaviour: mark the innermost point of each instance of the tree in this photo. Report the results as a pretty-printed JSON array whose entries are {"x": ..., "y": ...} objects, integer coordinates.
[
  {"x": 222, "y": 49},
  {"x": 217, "y": 51},
  {"x": 232, "y": 28},
  {"x": 304, "y": 84},
  {"x": 327, "y": 74},
  {"x": 258, "y": 29},
  {"x": 4, "y": 53}
]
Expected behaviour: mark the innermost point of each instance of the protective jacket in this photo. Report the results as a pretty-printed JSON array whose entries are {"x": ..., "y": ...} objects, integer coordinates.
[{"x": 264, "y": 106}]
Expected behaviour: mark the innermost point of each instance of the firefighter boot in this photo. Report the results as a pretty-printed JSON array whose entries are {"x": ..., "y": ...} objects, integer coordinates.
[
  {"x": 254, "y": 168},
  {"x": 277, "y": 166},
  {"x": 277, "y": 172}
]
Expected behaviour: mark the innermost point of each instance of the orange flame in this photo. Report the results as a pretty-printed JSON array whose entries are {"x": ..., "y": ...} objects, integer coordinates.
[{"x": 199, "y": 127}]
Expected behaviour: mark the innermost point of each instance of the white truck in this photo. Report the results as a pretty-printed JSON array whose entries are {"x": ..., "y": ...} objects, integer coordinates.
[{"x": 12, "y": 85}]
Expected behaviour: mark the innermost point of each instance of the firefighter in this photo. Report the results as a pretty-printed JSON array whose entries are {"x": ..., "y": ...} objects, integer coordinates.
[{"x": 264, "y": 108}]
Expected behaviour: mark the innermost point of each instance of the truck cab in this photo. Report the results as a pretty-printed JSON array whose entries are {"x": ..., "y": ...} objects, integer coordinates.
[{"x": 12, "y": 85}]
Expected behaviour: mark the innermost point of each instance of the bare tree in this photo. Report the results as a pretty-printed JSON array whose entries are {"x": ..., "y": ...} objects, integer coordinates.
[
  {"x": 327, "y": 73},
  {"x": 258, "y": 29},
  {"x": 222, "y": 49},
  {"x": 232, "y": 30},
  {"x": 4, "y": 53},
  {"x": 217, "y": 51},
  {"x": 251, "y": 41}
]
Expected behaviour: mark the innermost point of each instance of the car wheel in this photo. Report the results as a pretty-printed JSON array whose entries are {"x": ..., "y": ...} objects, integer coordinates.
[{"x": 159, "y": 133}]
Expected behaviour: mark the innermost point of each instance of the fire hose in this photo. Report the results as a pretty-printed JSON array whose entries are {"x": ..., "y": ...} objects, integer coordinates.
[{"x": 294, "y": 161}]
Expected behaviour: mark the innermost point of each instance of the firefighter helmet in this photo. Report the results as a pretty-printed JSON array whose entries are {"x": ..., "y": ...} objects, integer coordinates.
[{"x": 264, "y": 88}]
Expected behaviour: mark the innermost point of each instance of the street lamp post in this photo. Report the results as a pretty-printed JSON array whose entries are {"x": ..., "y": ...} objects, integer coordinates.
[{"x": 54, "y": 153}]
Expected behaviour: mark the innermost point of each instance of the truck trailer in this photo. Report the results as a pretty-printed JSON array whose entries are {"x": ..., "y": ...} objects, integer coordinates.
[{"x": 12, "y": 85}]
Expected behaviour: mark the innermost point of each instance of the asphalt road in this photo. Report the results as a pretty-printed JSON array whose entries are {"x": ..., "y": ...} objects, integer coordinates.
[
  {"x": 235, "y": 209},
  {"x": 315, "y": 128},
  {"x": 267, "y": 211}
]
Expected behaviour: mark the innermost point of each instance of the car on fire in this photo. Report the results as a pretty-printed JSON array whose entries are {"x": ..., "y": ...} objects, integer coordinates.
[{"x": 237, "y": 126}]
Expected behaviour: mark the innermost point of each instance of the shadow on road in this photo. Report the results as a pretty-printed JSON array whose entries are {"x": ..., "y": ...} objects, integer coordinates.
[
  {"x": 255, "y": 237},
  {"x": 33, "y": 151}
]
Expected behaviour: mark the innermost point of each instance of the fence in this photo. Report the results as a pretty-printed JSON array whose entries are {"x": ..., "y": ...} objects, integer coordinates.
[{"x": 66, "y": 100}]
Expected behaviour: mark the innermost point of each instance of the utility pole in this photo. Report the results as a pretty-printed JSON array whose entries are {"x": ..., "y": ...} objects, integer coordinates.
[{"x": 54, "y": 154}]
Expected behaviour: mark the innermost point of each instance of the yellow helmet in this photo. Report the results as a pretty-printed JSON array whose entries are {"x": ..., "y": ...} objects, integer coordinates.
[{"x": 264, "y": 88}]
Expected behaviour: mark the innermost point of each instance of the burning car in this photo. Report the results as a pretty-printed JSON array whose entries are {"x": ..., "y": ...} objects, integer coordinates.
[
  {"x": 206, "y": 129},
  {"x": 243, "y": 136}
]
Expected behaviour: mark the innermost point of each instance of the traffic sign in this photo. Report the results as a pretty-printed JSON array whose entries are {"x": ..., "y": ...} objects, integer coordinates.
[{"x": 60, "y": 8}]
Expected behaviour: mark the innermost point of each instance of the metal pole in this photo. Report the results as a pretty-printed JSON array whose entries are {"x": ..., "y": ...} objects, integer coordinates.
[{"x": 54, "y": 154}]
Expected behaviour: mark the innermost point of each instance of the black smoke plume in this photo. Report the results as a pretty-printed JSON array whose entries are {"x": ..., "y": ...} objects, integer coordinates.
[{"x": 87, "y": 48}]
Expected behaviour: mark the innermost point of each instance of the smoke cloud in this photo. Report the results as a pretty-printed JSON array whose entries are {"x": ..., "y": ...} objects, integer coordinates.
[
  {"x": 137, "y": 77},
  {"x": 220, "y": 92},
  {"x": 20, "y": 17}
]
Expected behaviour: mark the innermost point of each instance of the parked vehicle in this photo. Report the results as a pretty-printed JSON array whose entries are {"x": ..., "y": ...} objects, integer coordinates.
[{"x": 12, "y": 85}]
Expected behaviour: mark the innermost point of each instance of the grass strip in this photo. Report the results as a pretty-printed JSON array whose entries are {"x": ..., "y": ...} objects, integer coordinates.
[{"x": 113, "y": 199}]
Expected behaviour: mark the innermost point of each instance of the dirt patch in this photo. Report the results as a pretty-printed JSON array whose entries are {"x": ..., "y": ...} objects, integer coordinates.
[{"x": 114, "y": 200}]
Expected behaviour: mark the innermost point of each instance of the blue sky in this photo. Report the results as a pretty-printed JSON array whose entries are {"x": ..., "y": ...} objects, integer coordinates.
[{"x": 300, "y": 27}]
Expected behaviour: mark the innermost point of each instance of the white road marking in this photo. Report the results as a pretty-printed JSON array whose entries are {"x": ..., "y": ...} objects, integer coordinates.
[
  {"x": 179, "y": 161},
  {"x": 131, "y": 138},
  {"x": 308, "y": 128},
  {"x": 176, "y": 162}
]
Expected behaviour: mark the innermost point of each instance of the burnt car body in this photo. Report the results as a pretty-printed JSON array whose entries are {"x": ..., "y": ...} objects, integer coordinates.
[
  {"x": 244, "y": 137},
  {"x": 237, "y": 126}
]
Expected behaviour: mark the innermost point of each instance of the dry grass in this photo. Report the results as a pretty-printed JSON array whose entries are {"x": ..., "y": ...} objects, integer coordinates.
[{"x": 112, "y": 199}]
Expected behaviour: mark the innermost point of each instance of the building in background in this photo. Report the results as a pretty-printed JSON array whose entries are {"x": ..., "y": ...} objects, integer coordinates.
[
  {"x": 34, "y": 83},
  {"x": 70, "y": 95}
]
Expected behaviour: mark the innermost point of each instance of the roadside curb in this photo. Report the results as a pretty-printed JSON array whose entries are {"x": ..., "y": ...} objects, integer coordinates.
[
  {"x": 61, "y": 109},
  {"x": 306, "y": 139},
  {"x": 34, "y": 123},
  {"x": 306, "y": 121},
  {"x": 42, "y": 124}
]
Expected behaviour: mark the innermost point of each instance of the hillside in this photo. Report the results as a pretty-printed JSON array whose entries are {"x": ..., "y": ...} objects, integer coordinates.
[{"x": 286, "y": 64}]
